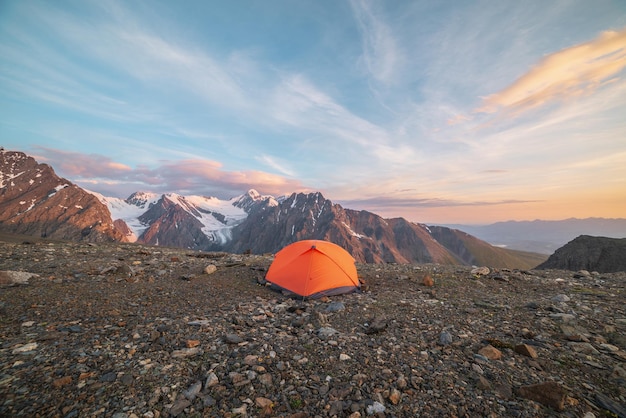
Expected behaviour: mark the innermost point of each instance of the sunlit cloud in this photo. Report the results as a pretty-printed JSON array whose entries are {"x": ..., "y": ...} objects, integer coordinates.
[
  {"x": 559, "y": 77},
  {"x": 192, "y": 176}
]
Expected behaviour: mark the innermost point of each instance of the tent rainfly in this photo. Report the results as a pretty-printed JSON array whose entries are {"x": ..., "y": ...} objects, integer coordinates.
[{"x": 312, "y": 269}]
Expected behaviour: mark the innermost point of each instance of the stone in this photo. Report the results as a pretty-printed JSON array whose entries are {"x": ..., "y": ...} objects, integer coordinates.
[
  {"x": 212, "y": 380},
  {"x": 584, "y": 348},
  {"x": 549, "y": 394},
  {"x": 62, "y": 381},
  {"x": 262, "y": 402},
  {"x": 233, "y": 339},
  {"x": 609, "y": 404},
  {"x": 25, "y": 348},
  {"x": 210, "y": 269},
  {"x": 251, "y": 360},
  {"x": 192, "y": 392},
  {"x": 265, "y": 379},
  {"x": 335, "y": 307},
  {"x": 344, "y": 357},
  {"x": 325, "y": 332},
  {"x": 395, "y": 396},
  {"x": 445, "y": 338},
  {"x": 375, "y": 408},
  {"x": 377, "y": 325},
  {"x": 186, "y": 352},
  {"x": 480, "y": 271},
  {"x": 179, "y": 406},
  {"x": 428, "y": 281},
  {"x": 526, "y": 350},
  {"x": 240, "y": 410},
  {"x": 12, "y": 278},
  {"x": 560, "y": 298},
  {"x": 192, "y": 343},
  {"x": 490, "y": 352}
]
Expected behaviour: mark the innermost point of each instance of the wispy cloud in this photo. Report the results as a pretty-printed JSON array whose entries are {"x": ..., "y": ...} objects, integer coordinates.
[
  {"x": 559, "y": 77},
  {"x": 390, "y": 202},
  {"x": 381, "y": 54}
]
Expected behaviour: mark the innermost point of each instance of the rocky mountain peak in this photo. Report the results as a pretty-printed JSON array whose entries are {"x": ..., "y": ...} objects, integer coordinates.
[
  {"x": 141, "y": 199},
  {"x": 253, "y": 199},
  {"x": 35, "y": 201}
]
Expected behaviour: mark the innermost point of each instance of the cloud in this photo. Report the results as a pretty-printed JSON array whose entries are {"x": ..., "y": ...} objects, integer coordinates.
[
  {"x": 380, "y": 51},
  {"x": 562, "y": 76},
  {"x": 413, "y": 203},
  {"x": 191, "y": 176}
]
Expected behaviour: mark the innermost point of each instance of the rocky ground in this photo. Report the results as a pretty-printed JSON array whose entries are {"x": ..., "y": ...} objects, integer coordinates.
[{"x": 137, "y": 331}]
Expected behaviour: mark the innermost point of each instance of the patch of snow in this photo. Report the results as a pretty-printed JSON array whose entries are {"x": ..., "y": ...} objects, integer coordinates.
[{"x": 354, "y": 234}]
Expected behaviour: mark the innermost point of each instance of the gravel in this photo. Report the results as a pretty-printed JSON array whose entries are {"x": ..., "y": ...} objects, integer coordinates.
[{"x": 136, "y": 331}]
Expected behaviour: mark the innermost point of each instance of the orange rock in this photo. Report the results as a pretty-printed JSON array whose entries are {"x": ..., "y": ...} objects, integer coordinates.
[
  {"x": 192, "y": 343},
  {"x": 490, "y": 352},
  {"x": 526, "y": 350},
  {"x": 62, "y": 381},
  {"x": 428, "y": 281}
]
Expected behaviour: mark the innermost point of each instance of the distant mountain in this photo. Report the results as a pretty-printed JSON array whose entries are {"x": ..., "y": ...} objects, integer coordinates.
[
  {"x": 544, "y": 237},
  {"x": 601, "y": 254},
  {"x": 35, "y": 201}
]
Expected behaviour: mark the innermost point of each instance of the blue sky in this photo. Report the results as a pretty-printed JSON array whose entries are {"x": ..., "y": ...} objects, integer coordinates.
[{"x": 441, "y": 112}]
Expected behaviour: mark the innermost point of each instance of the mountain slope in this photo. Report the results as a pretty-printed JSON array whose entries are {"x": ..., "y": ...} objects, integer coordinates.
[
  {"x": 601, "y": 254},
  {"x": 474, "y": 251},
  {"x": 35, "y": 201}
]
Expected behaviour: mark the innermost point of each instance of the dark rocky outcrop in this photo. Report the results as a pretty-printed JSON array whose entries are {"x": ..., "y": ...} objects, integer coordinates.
[{"x": 585, "y": 252}]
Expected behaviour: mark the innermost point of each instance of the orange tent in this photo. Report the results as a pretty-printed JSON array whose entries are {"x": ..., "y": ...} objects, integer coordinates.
[{"x": 313, "y": 269}]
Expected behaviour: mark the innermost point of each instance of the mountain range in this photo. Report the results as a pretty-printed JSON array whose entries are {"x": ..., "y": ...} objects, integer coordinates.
[
  {"x": 544, "y": 237},
  {"x": 35, "y": 201}
]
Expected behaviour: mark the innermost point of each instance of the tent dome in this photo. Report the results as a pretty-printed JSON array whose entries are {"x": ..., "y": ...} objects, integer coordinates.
[{"x": 312, "y": 269}]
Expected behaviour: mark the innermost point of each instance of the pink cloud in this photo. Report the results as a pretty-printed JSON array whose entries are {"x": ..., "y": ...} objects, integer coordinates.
[{"x": 192, "y": 176}]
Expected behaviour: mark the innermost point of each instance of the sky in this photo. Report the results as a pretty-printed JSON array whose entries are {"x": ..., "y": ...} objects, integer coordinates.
[{"x": 441, "y": 112}]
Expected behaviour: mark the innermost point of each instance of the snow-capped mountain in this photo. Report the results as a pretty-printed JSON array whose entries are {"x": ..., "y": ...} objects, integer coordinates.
[
  {"x": 34, "y": 201},
  {"x": 143, "y": 214}
]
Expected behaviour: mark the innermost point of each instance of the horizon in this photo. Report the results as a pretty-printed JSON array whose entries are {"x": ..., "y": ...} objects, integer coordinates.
[{"x": 466, "y": 114}]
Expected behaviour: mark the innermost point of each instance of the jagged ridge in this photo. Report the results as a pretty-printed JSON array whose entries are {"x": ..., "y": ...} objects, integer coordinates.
[{"x": 248, "y": 223}]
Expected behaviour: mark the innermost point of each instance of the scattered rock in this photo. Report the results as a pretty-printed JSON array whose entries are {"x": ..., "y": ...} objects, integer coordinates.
[
  {"x": 210, "y": 269},
  {"x": 378, "y": 324},
  {"x": 480, "y": 271},
  {"x": 108, "y": 346},
  {"x": 233, "y": 339},
  {"x": 12, "y": 278},
  {"x": 526, "y": 350},
  {"x": 335, "y": 307},
  {"x": 428, "y": 281},
  {"x": 490, "y": 352},
  {"x": 550, "y": 394},
  {"x": 445, "y": 338}
]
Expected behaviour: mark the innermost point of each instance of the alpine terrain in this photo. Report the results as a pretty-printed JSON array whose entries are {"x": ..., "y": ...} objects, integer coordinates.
[{"x": 35, "y": 201}]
